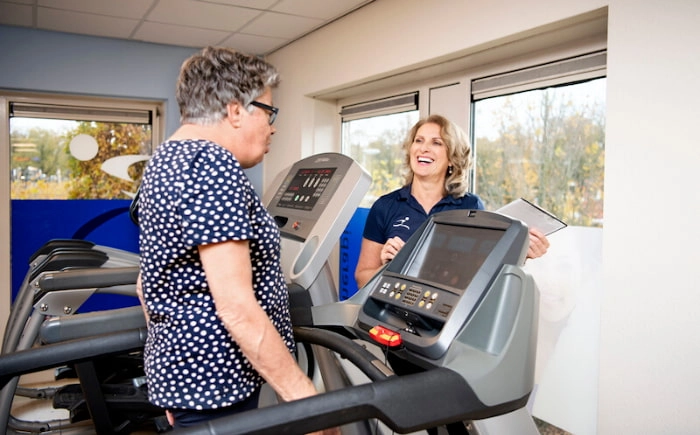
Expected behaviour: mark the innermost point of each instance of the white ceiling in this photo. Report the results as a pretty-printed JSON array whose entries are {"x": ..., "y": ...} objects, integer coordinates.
[{"x": 251, "y": 26}]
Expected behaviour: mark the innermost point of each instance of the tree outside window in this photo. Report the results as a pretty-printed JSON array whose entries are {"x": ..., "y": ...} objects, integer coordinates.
[
  {"x": 64, "y": 159},
  {"x": 546, "y": 145},
  {"x": 375, "y": 143}
]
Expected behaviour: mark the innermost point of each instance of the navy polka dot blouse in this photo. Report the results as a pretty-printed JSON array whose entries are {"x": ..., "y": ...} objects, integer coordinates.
[{"x": 194, "y": 192}]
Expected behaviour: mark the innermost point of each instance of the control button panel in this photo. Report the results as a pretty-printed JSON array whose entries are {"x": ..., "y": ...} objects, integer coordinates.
[{"x": 423, "y": 300}]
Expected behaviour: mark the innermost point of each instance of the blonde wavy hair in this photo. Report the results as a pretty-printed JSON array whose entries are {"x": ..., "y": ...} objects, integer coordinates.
[{"x": 458, "y": 153}]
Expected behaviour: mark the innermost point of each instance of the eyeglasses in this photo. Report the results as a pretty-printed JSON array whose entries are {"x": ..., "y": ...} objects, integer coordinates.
[{"x": 271, "y": 109}]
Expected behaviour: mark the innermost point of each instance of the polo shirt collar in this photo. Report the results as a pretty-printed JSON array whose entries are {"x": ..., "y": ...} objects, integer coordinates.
[{"x": 405, "y": 194}]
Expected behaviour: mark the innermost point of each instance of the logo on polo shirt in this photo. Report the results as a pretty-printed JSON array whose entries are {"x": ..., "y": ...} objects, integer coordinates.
[{"x": 402, "y": 223}]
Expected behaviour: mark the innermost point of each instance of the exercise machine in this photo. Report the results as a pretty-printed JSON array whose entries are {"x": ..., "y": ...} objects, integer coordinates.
[
  {"x": 102, "y": 270},
  {"x": 312, "y": 202},
  {"x": 454, "y": 303}
]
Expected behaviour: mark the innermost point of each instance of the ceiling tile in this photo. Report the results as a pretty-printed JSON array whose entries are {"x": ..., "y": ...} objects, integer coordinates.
[
  {"x": 254, "y": 26},
  {"x": 121, "y": 8},
  {"x": 252, "y": 44},
  {"x": 90, "y": 24},
  {"x": 179, "y": 35},
  {"x": 318, "y": 8},
  {"x": 15, "y": 15},
  {"x": 253, "y": 4},
  {"x": 194, "y": 13},
  {"x": 281, "y": 25}
]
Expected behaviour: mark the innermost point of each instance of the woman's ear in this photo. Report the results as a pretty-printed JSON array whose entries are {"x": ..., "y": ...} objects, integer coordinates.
[{"x": 234, "y": 113}]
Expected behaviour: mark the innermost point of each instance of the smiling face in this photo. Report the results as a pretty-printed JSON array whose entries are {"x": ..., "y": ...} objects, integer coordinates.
[{"x": 428, "y": 153}]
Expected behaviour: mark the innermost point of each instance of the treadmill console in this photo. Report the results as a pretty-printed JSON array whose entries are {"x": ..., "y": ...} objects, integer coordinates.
[
  {"x": 305, "y": 187},
  {"x": 304, "y": 192},
  {"x": 312, "y": 202},
  {"x": 431, "y": 288}
]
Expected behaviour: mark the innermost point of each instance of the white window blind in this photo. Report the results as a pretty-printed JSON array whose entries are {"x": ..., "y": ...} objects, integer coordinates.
[
  {"x": 565, "y": 71},
  {"x": 80, "y": 113},
  {"x": 384, "y": 106}
]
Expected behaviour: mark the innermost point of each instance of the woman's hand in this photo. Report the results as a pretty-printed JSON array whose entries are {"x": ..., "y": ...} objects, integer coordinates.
[
  {"x": 373, "y": 256},
  {"x": 538, "y": 244},
  {"x": 390, "y": 249}
]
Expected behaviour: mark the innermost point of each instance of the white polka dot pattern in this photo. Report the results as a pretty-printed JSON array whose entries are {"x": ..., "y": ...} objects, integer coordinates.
[{"x": 194, "y": 193}]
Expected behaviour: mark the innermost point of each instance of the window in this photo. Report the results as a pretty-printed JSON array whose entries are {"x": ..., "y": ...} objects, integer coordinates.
[
  {"x": 546, "y": 143},
  {"x": 79, "y": 149},
  {"x": 539, "y": 133},
  {"x": 72, "y": 165},
  {"x": 372, "y": 134}
]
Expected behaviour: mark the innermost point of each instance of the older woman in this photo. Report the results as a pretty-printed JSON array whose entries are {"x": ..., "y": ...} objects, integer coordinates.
[{"x": 212, "y": 284}]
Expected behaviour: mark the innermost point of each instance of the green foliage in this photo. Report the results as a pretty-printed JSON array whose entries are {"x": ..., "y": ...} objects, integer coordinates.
[
  {"x": 36, "y": 152},
  {"x": 43, "y": 167},
  {"x": 89, "y": 181},
  {"x": 375, "y": 143},
  {"x": 553, "y": 156}
]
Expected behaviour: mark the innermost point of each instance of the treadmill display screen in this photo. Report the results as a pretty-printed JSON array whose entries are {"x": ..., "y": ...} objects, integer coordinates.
[
  {"x": 452, "y": 254},
  {"x": 306, "y": 188}
]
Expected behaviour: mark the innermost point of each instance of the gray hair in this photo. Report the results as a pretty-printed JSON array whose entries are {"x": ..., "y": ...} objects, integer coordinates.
[
  {"x": 215, "y": 77},
  {"x": 458, "y": 152}
]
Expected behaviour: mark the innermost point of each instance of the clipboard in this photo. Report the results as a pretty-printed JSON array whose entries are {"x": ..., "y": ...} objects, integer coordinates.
[{"x": 533, "y": 215}]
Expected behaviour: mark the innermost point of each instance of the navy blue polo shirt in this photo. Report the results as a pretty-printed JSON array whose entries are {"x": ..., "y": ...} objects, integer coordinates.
[{"x": 399, "y": 214}]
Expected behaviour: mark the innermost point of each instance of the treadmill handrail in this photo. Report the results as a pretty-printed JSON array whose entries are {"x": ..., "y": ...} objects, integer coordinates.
[
  {"x": 67, "y": 352},
  {"x": 88, "y": 278},
  {"x": 399, "y": 402},
  {"x": 53, "y": 244},
  {"x": 362, "y": 358},
  {"x": 64, "y": 258}
]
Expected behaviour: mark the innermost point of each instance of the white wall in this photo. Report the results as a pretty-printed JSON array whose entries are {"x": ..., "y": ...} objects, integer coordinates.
[{"x": 649, "y": 345}]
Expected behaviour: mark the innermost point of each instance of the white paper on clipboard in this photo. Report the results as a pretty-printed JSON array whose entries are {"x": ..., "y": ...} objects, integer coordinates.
[{"x": 533, "y": 215}]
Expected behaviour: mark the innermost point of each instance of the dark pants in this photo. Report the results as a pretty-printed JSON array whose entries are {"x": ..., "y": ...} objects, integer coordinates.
[{"x": 192, "y": 417}]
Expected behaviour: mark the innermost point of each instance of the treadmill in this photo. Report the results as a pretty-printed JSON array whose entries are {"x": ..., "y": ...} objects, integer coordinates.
[
  {"x": 89, "y": 269},
  {"x": 454, "y": 302},
  {"x": 312, "y": 202}
]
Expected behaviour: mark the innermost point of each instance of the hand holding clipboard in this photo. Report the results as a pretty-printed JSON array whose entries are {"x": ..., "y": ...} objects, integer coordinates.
[{"x": 533, "y": 215}]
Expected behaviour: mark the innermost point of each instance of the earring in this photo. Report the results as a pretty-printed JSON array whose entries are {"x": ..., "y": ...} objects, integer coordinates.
[{"x": 450, "y": 169}]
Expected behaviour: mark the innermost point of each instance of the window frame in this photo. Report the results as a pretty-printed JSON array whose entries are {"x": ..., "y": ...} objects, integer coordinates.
[
  {"x": 74, "y": 107},
  {"x": 533, "y": 57},
  {"x": 157, "y": 108},
  {"x": 103, "y": 109}
]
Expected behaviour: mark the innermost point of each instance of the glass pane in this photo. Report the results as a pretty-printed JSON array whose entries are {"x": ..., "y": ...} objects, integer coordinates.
[
  {"x": 65, "y": 159},
  {"x": 375, "y": 143},
  {"x": 547, "y": 146}
]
